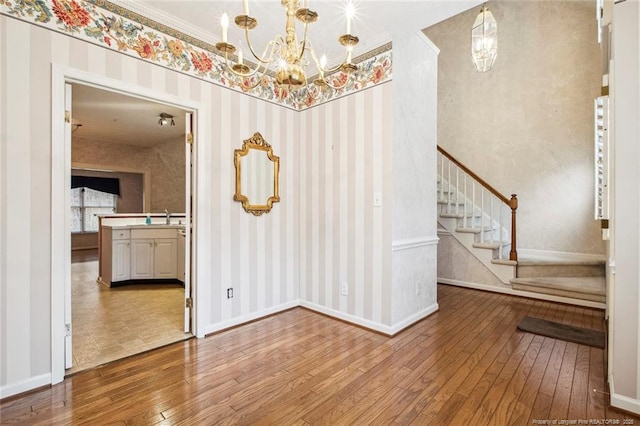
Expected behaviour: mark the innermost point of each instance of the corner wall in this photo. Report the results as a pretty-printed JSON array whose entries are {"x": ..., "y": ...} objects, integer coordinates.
[
  {"x": 345, "y": 153},
  {"x": 414, "y": 247}
]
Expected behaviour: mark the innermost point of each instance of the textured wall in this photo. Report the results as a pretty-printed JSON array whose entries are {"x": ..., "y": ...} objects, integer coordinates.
[
  {"x": 414, "y": 178},
  {"x": 163, "y": 163},
  {"x": 527, "y": 125},
  {"x": 457, "y": 263}
]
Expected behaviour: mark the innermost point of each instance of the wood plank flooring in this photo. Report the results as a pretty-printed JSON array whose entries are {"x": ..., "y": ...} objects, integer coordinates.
[{"x": 466, "y": 364}]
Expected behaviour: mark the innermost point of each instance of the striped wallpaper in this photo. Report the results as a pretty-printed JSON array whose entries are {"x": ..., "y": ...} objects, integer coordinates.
[
  {"x": 344, "y": 146},
  {"x": 325, "y": 230}
]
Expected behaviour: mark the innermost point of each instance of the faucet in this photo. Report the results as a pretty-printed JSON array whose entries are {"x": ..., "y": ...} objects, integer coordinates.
[{"x": 168, "y": 216}]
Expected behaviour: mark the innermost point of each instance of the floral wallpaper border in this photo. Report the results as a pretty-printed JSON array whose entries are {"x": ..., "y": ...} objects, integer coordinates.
[{"x": 105, "y": 24}]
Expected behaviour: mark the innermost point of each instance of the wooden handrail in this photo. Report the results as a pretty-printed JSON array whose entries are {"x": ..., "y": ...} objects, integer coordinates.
[{"x": 511, "y": 202}]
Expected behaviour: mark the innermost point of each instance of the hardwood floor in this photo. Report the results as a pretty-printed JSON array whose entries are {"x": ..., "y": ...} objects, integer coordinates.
[{"x": 466, "y": 364}]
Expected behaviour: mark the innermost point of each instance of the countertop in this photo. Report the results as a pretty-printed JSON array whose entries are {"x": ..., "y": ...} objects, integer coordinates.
[{"x": 143, "y": 226}]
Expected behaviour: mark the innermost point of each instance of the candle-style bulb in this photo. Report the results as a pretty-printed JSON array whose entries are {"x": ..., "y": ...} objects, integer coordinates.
[
  {"x": 246, "y": 7},
  {"x": 224, "y": 22},
  {"x": 350, "y": 11}
]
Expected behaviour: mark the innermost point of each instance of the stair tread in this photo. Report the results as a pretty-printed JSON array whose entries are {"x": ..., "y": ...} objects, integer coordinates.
[
  {"x": 492, "y": 246},
  {"x": 586, "y": 285},
  {"x": 531, "y": 260},
  {"x": 444, "y": 201},
  {"x": 474, "y": 230},
  {"x": 457, "y": 215}
]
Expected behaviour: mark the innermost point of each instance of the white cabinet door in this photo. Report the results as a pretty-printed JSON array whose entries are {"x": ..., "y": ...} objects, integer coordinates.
[
  {"x": 142, "y": 253},
  {"x": 166, "y": 258},
  {"x": 121, "y": 260}
]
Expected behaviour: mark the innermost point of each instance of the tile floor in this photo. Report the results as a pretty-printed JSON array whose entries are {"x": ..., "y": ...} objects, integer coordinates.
[{"x": 113, "y": 323}]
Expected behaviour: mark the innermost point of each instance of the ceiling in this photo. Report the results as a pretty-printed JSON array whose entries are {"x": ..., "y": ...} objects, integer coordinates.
[
  {"x": 374, "y": 22},
  {"x": 112, "y": 117},
  {"x": 115, "y": 118}
]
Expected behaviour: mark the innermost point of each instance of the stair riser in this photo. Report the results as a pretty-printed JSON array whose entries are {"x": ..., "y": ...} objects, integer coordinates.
[
  {"x": 531, "y": 271},
  {"x": 560, "y": 292}
]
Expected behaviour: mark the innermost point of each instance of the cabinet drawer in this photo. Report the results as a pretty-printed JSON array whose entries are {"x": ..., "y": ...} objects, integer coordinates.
[
  {"x": 121, "y": 234},
  {"x": 154, "y": 233}
]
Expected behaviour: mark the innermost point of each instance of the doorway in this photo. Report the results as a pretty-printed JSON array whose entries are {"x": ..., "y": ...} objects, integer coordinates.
[
  {"x": 62, "y": 324},
  {"x": 120, "y": 138}
]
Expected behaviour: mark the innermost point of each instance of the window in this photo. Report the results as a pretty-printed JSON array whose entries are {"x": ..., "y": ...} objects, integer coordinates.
[{"x": 85, "y": 204}]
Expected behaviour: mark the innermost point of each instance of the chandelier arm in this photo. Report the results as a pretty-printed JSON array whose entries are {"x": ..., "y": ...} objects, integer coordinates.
[
  {"x": 271, "y": 43},
  {"x": 240, "y": 74},
  {"x": 320, "y": 68},
  {"x": 304, "y": 42}
]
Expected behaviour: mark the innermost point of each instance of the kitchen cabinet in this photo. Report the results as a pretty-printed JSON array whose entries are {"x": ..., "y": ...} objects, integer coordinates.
[
  {"x": 121, "y": 262},
  {"x": 139, "y": 253},
  {"x": 115, "y": 255},
  {"x": 166, "y": 258},
  {"x": 154, "y": 253},
  {"x": 142, "y": 258}
]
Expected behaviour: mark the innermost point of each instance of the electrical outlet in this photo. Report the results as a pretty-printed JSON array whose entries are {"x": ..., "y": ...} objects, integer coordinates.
[
  {"x": 344, "y": 288},
  {"x": 230, "y": 293}
]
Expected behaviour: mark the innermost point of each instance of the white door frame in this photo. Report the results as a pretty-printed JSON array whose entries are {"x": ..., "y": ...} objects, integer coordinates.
[{"x": 60, "y": 214}]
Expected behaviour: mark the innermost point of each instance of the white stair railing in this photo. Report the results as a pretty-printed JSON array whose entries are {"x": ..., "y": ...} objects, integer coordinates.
[{"x": 479, "y": 208}]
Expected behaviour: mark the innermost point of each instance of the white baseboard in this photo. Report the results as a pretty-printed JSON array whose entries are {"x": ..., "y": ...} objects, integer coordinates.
[
  {"x": 561, "y": 255},
  {"x": 251, "y": 317},
  {"x": 531, "y": 295},
  {"x": 623, "y": 402},
  {"x": 25, "y": 385},
  {"x": 371, "y": 325}
]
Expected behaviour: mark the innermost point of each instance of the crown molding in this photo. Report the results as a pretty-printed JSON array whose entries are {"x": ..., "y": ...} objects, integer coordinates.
[{"x": 166, "y": 19}]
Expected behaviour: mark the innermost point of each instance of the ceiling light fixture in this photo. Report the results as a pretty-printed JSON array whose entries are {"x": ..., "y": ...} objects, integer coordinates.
[
  {"x": 287, "y": 52},
  {"x": 166, "y": 119},
  {"x": 484, "y": 40}
]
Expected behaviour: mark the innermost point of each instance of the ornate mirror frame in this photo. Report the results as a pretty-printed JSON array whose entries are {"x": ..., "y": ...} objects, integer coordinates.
[{"x": 256, "y": 142}]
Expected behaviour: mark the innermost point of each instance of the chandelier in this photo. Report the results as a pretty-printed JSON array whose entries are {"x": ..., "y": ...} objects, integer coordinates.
[
  {"x": 287, "y": 56},
  {"x": 484, "y": 40}
]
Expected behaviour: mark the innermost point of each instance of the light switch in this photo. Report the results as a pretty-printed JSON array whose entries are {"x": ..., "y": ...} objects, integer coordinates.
[{"x": 377, "y": 199}]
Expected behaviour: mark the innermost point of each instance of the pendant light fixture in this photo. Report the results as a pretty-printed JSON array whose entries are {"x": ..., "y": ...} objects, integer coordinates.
[{"x": 484, "y": 40}]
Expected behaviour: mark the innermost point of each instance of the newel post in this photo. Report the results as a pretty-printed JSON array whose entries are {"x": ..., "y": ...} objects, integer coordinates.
[{"x": 513, "y": 203}]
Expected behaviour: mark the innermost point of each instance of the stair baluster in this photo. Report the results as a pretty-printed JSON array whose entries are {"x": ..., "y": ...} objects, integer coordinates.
[{"x": 483, "y": 221}]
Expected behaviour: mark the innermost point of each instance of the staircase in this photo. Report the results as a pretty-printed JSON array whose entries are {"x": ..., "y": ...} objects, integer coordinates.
[
  {"x": 483, "y": 221},
  {"x": 576, "y": 279}
]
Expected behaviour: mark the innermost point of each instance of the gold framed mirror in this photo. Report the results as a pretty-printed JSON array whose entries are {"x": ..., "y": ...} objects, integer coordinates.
[{"x": 257, "y": 171}]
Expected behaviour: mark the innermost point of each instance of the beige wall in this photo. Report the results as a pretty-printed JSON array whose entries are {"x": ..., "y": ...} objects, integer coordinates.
[
  {"x": 345, "y": 150},
  {"x": 526, "y": 126},
  {"x": 164, "y": 165}
]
